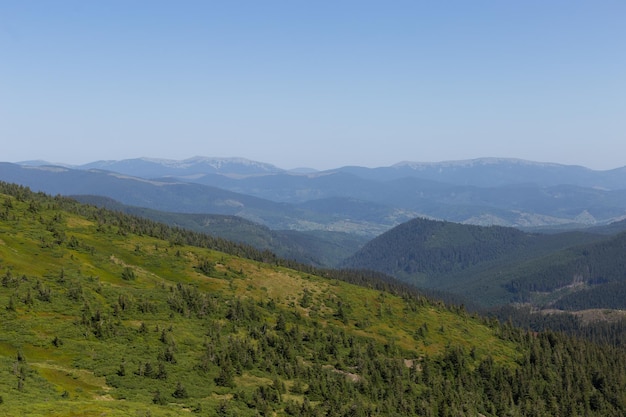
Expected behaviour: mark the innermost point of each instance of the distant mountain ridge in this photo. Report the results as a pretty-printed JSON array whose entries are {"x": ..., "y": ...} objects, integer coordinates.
[
  {"x": 482, "y": 172},
  {"x": 198, "y": 165},
  {"x": 174, "y": 195},
  {"x": 485, "y": 191},
  {"x": 496, "y": 172}
]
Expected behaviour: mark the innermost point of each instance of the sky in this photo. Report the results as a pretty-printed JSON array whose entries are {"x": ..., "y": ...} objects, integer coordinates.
[{"x": 318, "y": 84}]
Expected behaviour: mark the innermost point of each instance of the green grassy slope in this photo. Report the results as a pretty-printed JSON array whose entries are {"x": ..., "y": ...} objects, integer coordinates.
[{"x": 97, "y": 319}]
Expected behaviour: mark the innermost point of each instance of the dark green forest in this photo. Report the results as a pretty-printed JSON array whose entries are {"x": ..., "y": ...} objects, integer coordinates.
[
  {"x": 600, "y": 267},
  {"x": 500, "y": 265}
]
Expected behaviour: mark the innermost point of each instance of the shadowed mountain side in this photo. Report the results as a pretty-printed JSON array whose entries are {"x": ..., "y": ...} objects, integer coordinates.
[
  {"x": 478, "y": 262},
  {"x": 592, "y": 275}
]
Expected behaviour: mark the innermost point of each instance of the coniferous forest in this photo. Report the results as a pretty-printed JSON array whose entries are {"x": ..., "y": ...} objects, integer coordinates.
[{"x": 103, "y": 313}]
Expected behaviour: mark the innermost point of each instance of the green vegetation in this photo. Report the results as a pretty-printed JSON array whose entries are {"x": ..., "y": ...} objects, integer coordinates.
[
  {"x": 499, "y": 265},
  {"x": 102, "y": 313},
  {"x": 317, "y": 248}
]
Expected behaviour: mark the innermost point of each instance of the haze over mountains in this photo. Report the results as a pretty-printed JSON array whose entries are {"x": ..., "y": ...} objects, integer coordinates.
[
  {"x": 481, "y": 172},
  {"x": 507, "y": 192}
]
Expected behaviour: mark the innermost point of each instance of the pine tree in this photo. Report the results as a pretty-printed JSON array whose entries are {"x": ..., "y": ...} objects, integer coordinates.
[{"x": 180, "y": 392}]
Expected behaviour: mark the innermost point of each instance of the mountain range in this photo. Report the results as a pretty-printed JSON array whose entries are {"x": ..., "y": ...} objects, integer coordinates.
[
  {"x": 488, "y": 191},
  {"x": 481, "y": 172},
  {"x": 426, "y": 221}
]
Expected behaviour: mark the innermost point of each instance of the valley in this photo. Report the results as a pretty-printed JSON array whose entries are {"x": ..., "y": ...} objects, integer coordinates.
[
  {"x": 312, "y": 209},
  {"x": 368, "y": 218}
]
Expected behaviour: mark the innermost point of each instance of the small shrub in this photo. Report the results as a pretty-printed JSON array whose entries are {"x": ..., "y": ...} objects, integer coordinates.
[
  {"x": 128, "y": 274},
  {"x": 158, "y": 399},
  {"x": 180, "y": 392}
]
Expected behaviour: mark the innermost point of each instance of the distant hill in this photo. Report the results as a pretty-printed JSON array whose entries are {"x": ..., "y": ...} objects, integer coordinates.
[
  {"x": 423, "y": 247},
  {"x": 485, "y": 191}
]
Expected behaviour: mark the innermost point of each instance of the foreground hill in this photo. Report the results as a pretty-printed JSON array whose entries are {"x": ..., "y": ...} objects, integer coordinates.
[
  {"x": 109, "y": 314},
  {"x": 491, "y": 265}
]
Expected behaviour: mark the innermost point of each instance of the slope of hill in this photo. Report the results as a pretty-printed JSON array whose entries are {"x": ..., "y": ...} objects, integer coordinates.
[
  {"x": 109, "y": 314},
  {"x": 486, "y": 264},
  {"x": 582, "y": 277},
  {"x": 317, "y": 248}
]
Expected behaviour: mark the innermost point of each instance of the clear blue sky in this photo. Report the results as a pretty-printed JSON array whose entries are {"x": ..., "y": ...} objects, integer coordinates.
[{"x": 314, "y": 83}]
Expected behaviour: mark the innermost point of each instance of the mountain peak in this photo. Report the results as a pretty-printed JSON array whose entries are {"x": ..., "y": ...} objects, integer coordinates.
[
  {"x": 195, "y": 166},
  {"x": 230, "y": 161}
]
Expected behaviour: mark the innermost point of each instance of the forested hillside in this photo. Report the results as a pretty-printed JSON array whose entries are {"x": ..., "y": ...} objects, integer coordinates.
[
  {"x": 422, "y": 248},
  {"x": 590, "y": 276},
  {"x": 109, "y": 314},
  {"x": 486, "y": 264}
]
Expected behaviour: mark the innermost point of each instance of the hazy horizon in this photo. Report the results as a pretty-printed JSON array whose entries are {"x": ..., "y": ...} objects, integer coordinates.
[
  {"x": 294, "y": 168},
  {"x": 319, "y": 85}
]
